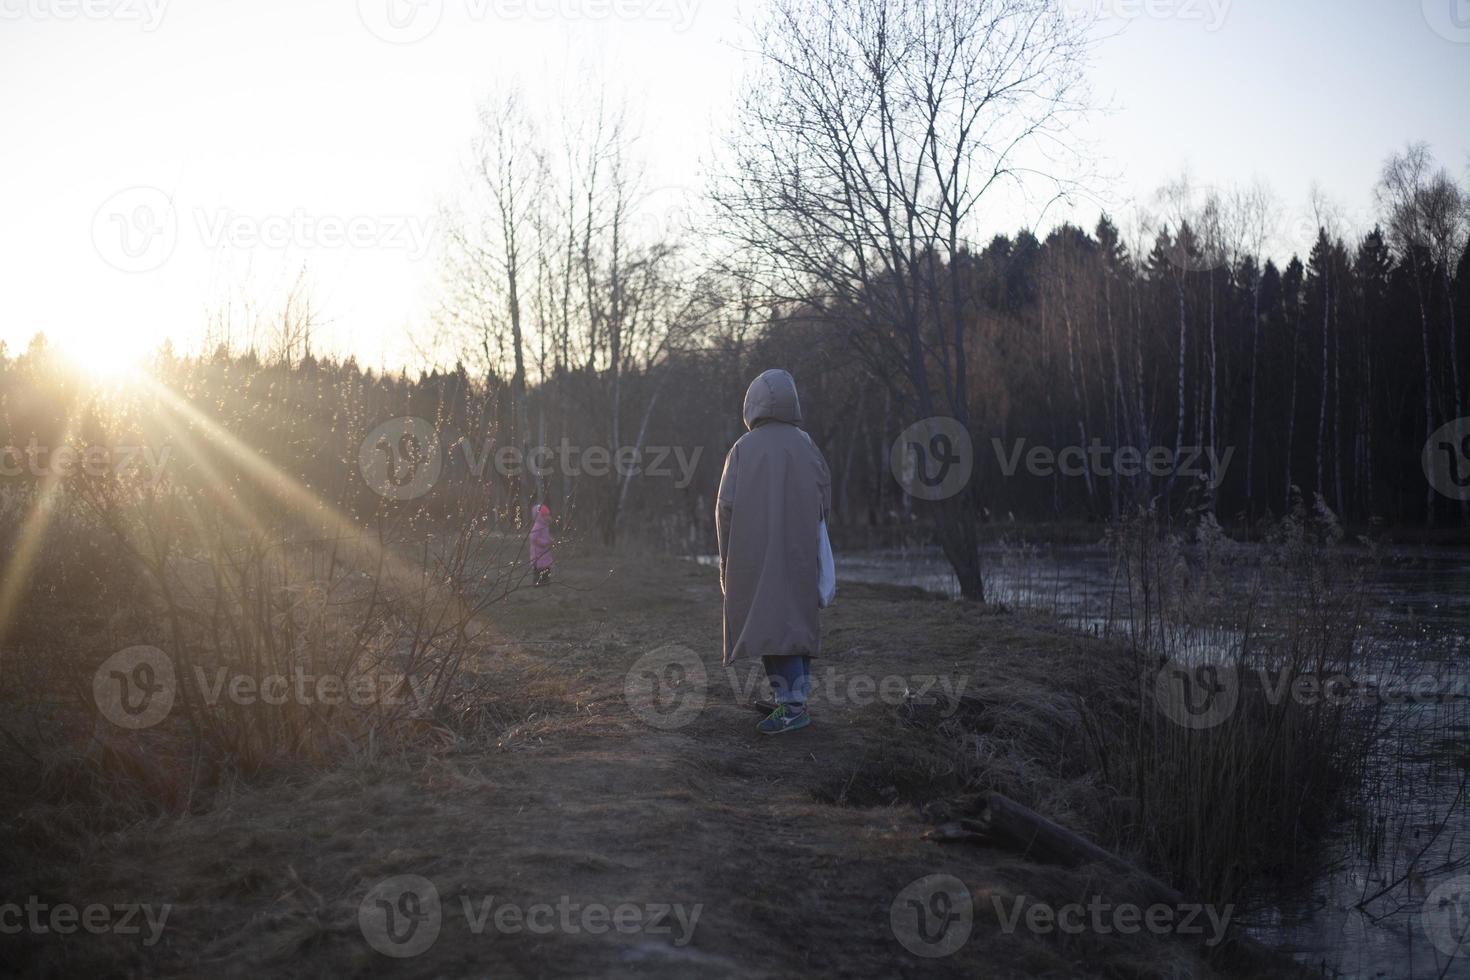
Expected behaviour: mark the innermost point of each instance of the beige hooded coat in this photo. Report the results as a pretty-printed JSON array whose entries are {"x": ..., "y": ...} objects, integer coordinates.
[{"x": 775, "y": 490}]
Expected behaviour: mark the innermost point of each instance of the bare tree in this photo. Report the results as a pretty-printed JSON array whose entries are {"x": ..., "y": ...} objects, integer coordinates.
[
  {"x": 547, "y": 270},
  {"x": 1324, "y": 259},
  {"x": 289, "y": 331},
  {"x": 1446, "y": 213},
  {"x": 866, "y": 142},
  {"x": 1405, "y": 196},
  {"x": 1252, "y": 221},
  {"x": 491, "y": 260}
]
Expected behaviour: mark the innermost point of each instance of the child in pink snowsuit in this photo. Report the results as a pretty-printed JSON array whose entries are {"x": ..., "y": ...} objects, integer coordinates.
[{"x": 541, "y": 545}]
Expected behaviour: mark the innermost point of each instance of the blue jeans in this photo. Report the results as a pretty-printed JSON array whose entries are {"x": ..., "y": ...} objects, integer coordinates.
[{"x": 790, "y": 679}]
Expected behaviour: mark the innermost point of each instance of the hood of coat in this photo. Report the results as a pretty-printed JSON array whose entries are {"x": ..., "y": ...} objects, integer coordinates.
[
  {"x": 772, "y": 398},
  {"x": 543, "y": 514}
]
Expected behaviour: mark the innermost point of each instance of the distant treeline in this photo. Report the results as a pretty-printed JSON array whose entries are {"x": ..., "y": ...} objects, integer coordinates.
[{"x": 1325, "y": 375}]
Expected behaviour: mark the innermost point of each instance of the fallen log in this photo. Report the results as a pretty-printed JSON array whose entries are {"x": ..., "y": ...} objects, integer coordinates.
[{"x": 1022, "y": 829}]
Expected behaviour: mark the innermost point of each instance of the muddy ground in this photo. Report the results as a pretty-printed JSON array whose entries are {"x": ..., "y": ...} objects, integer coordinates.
[{"x": 590, "y": 832}]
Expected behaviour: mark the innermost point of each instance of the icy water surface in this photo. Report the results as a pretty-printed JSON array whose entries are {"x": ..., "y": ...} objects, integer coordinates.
[{"x": 1419, "y": 610}]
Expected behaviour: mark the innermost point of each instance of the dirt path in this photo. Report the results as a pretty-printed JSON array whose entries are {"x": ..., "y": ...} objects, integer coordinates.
[{"x": 699, "y": 849}]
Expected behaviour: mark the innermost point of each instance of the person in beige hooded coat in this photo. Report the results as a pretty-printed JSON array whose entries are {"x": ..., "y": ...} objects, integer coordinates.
[{"x": 775, "y": 490}]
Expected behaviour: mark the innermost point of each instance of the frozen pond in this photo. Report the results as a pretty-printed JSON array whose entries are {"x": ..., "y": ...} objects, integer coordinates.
[{"x": 1419, "y": 607}]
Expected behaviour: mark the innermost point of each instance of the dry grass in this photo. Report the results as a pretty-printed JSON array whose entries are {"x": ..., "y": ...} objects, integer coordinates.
[
  {"x": 1228, "y": 807},
  {"x": 545, "y": 784}
]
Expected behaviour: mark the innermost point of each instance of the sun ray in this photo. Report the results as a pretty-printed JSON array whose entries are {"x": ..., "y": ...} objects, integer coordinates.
[
  {"x": 299, "y": 499},
  {"x": 212, "y": 474},
  {"x": 16, "y": 576}
]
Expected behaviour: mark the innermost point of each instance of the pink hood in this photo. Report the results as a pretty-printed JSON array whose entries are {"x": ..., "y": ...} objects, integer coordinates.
[{"x": 541, "y": 539}]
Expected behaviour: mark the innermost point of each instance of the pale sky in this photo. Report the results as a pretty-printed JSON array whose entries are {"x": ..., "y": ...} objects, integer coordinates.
[{"x": 324, "y": 134}]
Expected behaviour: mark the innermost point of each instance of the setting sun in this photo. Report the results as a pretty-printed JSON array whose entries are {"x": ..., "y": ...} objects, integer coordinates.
[{"x": 102, "y": 356}]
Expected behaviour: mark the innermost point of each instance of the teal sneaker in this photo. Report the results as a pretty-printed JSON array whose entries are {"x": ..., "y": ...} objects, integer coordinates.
[{"x": 779, "y": 722}]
